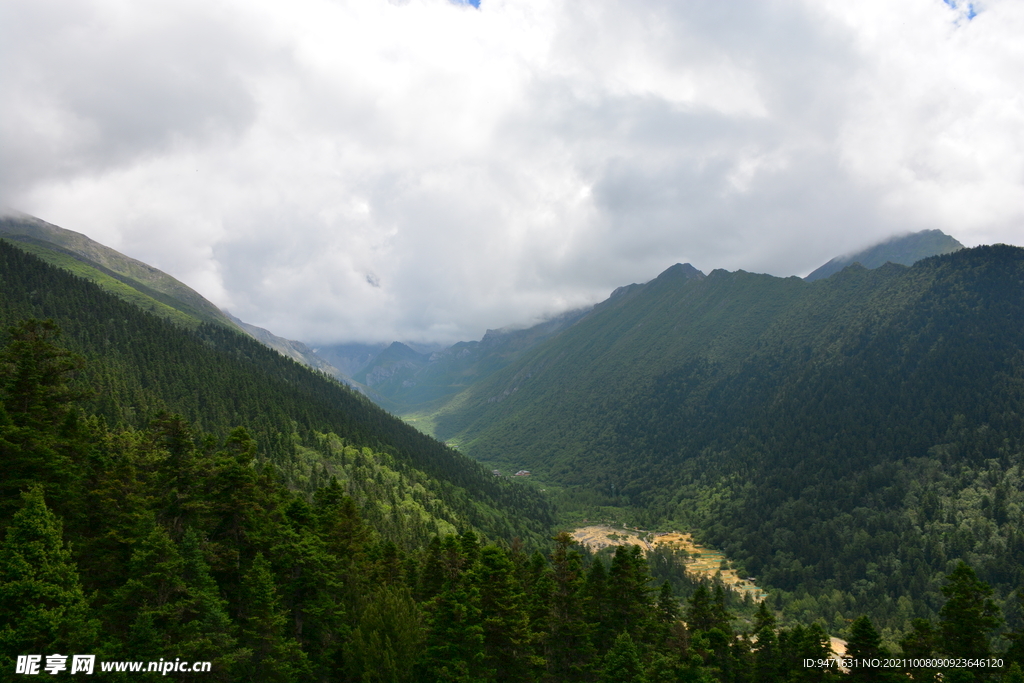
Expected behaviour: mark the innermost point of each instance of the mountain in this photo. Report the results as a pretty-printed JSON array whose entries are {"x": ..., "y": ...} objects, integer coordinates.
[
  {"x": 845, "y": 438},
  {"x": 132, "y": 280},
  {"x": 140, "y": 284},
  {"x": 410, "y": 382},
  {"x": 904, "y": 249},
  {"x": 182, "y": 491},
  {"x": 140, "y": 366},
  {"x": 295, "y": 350},
  {"x": 185, "y": 496},
  {"x": 349, "y": 358}
]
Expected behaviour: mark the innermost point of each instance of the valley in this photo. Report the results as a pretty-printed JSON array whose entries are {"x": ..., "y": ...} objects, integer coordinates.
[{"x": 852, "y": 441}]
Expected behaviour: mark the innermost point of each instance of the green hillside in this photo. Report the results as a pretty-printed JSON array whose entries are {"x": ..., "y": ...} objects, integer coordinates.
[
  {"x": 316, "y": 542},
  {"x": 282, "y": 528},
  {"x": 411, "y": 383},
  {"x": 309, "y": 426},
  {"x": 846, "y": 440},
  {"x": 134, "y": 281}
]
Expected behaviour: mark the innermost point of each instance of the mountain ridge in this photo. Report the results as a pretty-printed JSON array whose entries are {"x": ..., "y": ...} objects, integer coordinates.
[
  {"x": 764, "y": 412},
  {"x": 142, "y": 284},
  {"x": 901, "y": 249}
]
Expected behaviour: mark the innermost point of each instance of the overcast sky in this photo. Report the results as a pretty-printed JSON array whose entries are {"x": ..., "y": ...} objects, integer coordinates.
[{"x": 425, "y": 170}]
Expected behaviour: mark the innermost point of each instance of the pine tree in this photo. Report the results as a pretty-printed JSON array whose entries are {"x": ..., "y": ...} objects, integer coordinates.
[
  {"x": 42, "y": 606},
  {"x": 968, "y": 616},
  {"x": 920, "y": 644},
  {"x": 701, "y": 614},
  {"x": 567, "y": 645},
  {"x": 622, "y": 663},
  {"x": 388, "y": 641},
  {"x": 38, "y": 423},
  {"x": 205, "y": 632},
  {"x": 767, "y": 665},
  {"x": 455, "y": 635},
  {"x": 864, "y": 645},
  {"x": 596, "y": 606},
  {"x": 148, "y": 600},
  {"x": 507, "y": 639},
  {"x": 629, "y": 596},
  {"x": 276, "y": 657}
]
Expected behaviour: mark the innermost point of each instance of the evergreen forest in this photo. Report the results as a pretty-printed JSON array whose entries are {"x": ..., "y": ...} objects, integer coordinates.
[
  {"x": 181, "y": 492},
  {"x": 847, "y": 442}
]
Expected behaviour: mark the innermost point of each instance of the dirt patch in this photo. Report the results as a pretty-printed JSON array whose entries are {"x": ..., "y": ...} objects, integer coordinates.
[{"x": 702, "y": 560}]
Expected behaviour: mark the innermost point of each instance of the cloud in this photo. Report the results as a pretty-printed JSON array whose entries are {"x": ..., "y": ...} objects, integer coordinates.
[{"x": 425, "y": 170}]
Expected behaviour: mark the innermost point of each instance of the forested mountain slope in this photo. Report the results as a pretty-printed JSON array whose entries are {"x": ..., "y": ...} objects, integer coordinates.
[
  {"x": 138, "y": 283},
  {"x": 847, "y": 439},
  {"x": 309, "y": 426},
  {"x": 410, "y": 382},
  {"x": 132, "y": 280}
]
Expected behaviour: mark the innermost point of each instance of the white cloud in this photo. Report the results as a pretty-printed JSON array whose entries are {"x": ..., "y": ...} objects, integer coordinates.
[{"x": 424, "y": 170}]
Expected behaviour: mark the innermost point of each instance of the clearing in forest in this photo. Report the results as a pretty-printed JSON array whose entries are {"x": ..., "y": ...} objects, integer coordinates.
[{"x": 702, "y": 560}]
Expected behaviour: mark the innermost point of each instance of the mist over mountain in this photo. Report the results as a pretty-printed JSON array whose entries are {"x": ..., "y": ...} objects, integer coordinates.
[
  {"x": 141, "y": 284},
  {"x": 904, "y": 249},
  {"x": 144, "y": 284}
]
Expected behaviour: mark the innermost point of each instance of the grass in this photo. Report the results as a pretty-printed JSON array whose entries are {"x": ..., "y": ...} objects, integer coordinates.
[{"x": 108, "y": 283}]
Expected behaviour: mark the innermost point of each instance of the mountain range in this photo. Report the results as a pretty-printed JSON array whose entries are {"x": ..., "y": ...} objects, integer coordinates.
[
  {"x": 415, "y": 384},
  {"x": 777, "y": 418},
  {"x": 845, "y": 440},
  {"x": 180, "y": 484}
]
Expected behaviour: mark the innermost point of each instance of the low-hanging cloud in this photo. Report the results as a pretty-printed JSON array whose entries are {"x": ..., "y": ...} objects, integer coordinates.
[{"x": 425, "y": 170}]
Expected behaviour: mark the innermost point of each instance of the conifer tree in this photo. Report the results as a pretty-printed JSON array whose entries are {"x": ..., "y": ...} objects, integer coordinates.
[
  {"x": 567, "y": 646},
  {"x": 596, "y": 606},
  {"x": 148, "y": 601},
  {"x": 38, "y": 420},
  {"x": 276, "y": 656},
  {"x": 622, "y": 663},
  {"x": 920, "y": 645},
  {"x": 668, "y": 605},
  {"x": 43, "y": 609},
  {"x": 629, "y": 596},
  {"x": 539, "y": 585},
  {"x": 388, "y": 641},
  {"x": 430, "y": 579},
  {"x": 969, "y": 614},
  {"x": 700, "y": 614},
  {"x": 455, "y": 640},
  {"x": 864, "y": 645},
  {"x": 508, "y": 641},
  {"x": 206, "y": 632},
  {"x": 767, "y": 665}
]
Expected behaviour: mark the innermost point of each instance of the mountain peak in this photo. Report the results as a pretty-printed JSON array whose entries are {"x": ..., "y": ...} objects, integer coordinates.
[
  {"x": 683, "y": 271},
  {"x": 902, "y": 249}
]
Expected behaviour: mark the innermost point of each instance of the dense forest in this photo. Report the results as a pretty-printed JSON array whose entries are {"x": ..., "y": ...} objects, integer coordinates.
[
  {"x": 308, "y": 425},
  {"x": 845, "y": 441},
  {"x": 146, "y": 545},
  {"x": 185, "y": 494}
]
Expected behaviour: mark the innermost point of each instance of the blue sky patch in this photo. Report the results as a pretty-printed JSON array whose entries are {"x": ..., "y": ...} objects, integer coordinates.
[{"x": 967, "y": 11}]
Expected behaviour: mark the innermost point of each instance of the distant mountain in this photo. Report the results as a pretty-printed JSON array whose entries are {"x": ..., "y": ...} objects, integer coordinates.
[
  {"x": 349, "y": 358},
  {"x": 837, "y": 437},
  {"x": 295, "y": 350},
  {"x": 408, "y": 381},
  {"x": 905, "y": 250}
]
